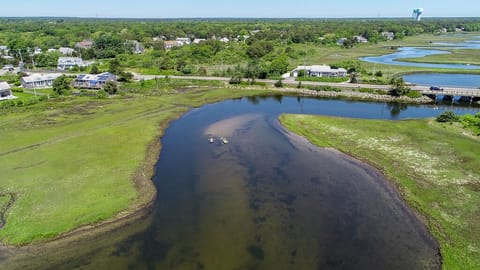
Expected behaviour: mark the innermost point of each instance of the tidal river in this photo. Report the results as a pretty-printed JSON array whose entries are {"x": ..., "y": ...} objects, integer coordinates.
[{"x": 266, "y": 200}]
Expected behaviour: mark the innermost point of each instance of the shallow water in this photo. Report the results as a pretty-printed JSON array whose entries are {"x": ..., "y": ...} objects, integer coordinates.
[
  {"x": 444, "y": 80},
  {"x": 266, "y": 200}
]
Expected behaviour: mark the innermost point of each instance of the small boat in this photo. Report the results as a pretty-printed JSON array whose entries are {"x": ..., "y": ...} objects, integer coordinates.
[
  {"x": 223, "y": 140},
  {"x": 211, "y": 140}
]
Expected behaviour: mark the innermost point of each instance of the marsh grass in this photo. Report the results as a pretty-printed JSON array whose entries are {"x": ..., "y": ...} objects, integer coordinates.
[
  {"x": 433, "y": 166},
  {"x": 71, "y": 161}
]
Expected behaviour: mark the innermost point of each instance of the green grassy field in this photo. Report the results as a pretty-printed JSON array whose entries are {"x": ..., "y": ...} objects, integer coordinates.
[
  {"x": 435, "y": 167},
  {"x": 74, "y": 162}
]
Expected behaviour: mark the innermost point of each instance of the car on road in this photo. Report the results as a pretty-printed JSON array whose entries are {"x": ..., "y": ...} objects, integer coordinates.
[{"x": 436, "y": 88}]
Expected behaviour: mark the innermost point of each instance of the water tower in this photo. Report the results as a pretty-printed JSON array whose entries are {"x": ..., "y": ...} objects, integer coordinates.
[{"x": 417, "y": 14}]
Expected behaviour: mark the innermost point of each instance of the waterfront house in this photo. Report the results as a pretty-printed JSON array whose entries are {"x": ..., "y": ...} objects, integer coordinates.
[
  {"x": 320, "y": 71},
  {"x": 93, "y": 81},
  {"x": 65, "y": 63},
  {"x": 5, "y": 91},
  {"x": 39, "y": 80}
]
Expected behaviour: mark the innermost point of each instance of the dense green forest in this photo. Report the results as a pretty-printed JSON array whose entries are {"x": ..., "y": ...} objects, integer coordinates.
[{"x": 256, "y": 48}]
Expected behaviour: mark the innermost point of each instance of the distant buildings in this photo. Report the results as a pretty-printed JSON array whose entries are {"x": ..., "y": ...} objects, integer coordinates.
[
  {"x": 136, "y": 46},
  {"x": 388, "y": 35},
  {"x": 66, "y": 51},
  {"x": 86, "y": 44},
  {"x": 169, "y": 44},
  {"x": 360, "y": 39},
  {"x": 184, "y": 41},
  {"x": 5, "y": 91},
  {"x": 91, "y": 81},
  {"x": 198, "y": 40},
  {"x": 65, "y": 63},
  {"x": 320, "y": 71},
  {"x": 39, "y": 80}
]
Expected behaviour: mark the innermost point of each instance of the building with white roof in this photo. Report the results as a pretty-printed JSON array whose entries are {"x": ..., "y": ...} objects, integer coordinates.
[
  {"x": 39, "y": 80},
  {"x": 320, "y": 71},
  {"x": 66, "y": 50},
  {"x": 65, "y": 63}
]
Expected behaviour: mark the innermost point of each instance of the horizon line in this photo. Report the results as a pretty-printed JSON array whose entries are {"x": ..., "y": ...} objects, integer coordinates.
[{"x": 233, "y": 17}]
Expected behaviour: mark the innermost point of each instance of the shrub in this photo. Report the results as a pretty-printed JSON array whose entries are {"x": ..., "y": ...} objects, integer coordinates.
[
  {"x": 101, "y": 94},
  {"x": 447, "y": 116}
]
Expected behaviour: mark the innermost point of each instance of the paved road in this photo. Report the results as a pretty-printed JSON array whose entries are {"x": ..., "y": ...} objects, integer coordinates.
[{"x": 290, "y": 81}]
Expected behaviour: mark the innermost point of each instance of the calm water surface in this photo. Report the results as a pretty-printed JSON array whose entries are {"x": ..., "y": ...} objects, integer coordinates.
[
  {"x": 444, "y": 80},
  {"x": 266, "y": 200},
  {"x": 418, "y": 52}
]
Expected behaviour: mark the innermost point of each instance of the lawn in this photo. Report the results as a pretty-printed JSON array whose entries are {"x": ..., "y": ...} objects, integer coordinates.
[
  {"x": 76, "y": 161},
  {"x": 435, "y": 168}
]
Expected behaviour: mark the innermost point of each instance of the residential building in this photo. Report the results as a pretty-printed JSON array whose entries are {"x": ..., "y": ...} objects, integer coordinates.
[
  {"x": 93, "y": 81},
  {"x": 136, "y": 46},
  {"x": 86, "y": 44},
  {"x": 3, "y": 49},
  {"x": 320, "y": 71},
  {"x": 388, "y": 35},
  {"x": 39, "y": 80},
  {"x": 224, "y": 40},
  {"x": 65, "y": 63},
  {"x": 8, "y": 68},
  {"x": 169, "y": 44},
  {"x": 184, "y": 41},
  {"x": 66, "y": 50},
  {"x": 37, "y": 51},
  {"x": 360, "y": 39},
  {"x": 198, "y": 40},
  {"x": 5, "y": 91},
  {"x": 340, "y": 41},
  {"x": 159, "y": 38}
]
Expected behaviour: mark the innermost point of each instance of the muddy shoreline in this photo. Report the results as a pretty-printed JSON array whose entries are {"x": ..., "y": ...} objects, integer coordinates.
[
  {"x": 147, "y": 192},
  {"x": 383, "y": 180}
]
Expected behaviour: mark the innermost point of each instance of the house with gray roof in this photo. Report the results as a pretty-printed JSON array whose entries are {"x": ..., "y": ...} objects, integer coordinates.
[
  {"x": 6, "y": 91},
  {"x": 39, "y": 80}
]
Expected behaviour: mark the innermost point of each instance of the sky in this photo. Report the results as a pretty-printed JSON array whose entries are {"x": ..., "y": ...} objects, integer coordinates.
[{"x": 238, "y": 8}]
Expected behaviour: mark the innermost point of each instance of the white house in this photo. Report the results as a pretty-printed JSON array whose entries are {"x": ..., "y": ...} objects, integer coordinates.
[
  {"x": 224, "y": 40},
  {"x": 388, "y": 35},
  {"x": 93, "y": 81},
  {"x": 184, "y": 41},
  {"x": 198, "y": 40},
  {"x": 66, "y": 50},
  {"x": 169, "y": 44},
  {"x": 69, "y": 62},
  {"x": 320, "y": 71},
  {"x": 5, "y": 91},
  {"x": 360, "y": 39},
  {"x": 39, "y": 80}
]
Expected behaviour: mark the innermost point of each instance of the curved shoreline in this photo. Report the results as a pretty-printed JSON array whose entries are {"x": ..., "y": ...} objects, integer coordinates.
[
  {"x": 379, "y": 174},
  {"x": 142, "y": 179}
]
